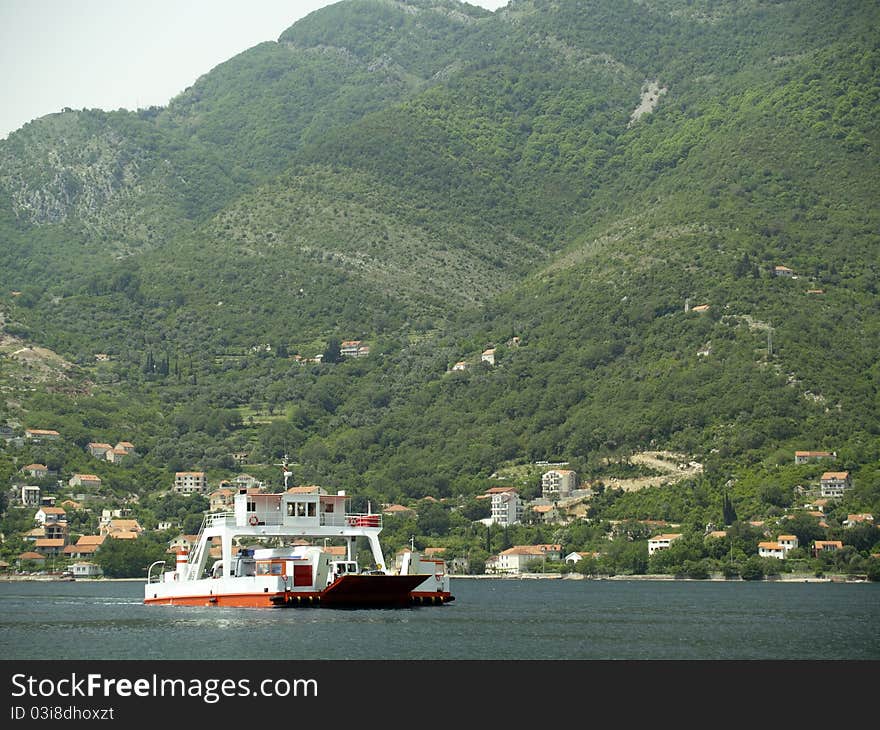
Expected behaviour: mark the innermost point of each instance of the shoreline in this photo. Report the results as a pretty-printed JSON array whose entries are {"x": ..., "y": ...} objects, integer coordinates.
[
  {"x": 799, "y": 578},
  {"x": 789, "y": 578}
]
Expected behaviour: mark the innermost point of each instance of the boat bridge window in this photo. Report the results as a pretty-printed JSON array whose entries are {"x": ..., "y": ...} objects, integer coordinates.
[
  {"x": 301, "y": 509},
  {"x": 274, "y": 567}
]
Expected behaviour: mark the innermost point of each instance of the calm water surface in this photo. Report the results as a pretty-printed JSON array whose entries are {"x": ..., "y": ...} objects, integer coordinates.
[{"x": 490, "y": 619}]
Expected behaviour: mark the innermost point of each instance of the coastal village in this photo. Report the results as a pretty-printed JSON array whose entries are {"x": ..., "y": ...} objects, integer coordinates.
[{"x": 70, "y": 517}]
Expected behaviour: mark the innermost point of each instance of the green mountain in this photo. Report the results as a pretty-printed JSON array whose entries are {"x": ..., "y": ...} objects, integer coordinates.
[{"x": 601, "y": 191}]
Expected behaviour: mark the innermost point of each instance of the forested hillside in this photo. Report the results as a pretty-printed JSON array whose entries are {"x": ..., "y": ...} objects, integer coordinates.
[{"x": 603, "y": 192}]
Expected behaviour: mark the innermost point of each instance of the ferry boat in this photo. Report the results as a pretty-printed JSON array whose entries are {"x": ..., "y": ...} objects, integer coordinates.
[{"x": 288, "y": 573}]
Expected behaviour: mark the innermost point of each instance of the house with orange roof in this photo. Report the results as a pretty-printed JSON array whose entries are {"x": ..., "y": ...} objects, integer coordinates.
[
  {"x": 778, "y": 548},
  {"x": 354, "y": 348},
  {"x": 517, "y": 559},
  {"x": 31, "y": 557},
  {"x": 85, "y": 547},
  {"x": 817, "y": 505},
  {"x": 56, "y": 530},
  {"x": 183, "y": 542},
  {"x": 546, "y": 512},
  {"x": 507, "y": 507},
  {"x": 246, "y": 481},
  {"x": 222, "y": 500},
  {"x": 117, "y": 456},
  {"x": 398, "y": 510},
  {"x": 98, "y": 449},
  {"x": 49, "y": 546},
  {"x": 782, "y": 271},
  {"x": 49, "y": 515},
  {"x": 190, "y": 482},
  {"x": 852, "y": 520},
  {"x": 37, "y": 471},
  {"x": 771, "y": 550},
  {"x": 803, "y": 457},
  {"x": 834, "y": 483},
  {"x": 34, "y": 534},
  {"x": 86, "y": 481},
  {"x": 824, "y": 546},
  {"x": 488, "y": 356},
  {"x": 662, "y": 542},
  {"x": 558, "y": 483},
  {"x": 120, "y": 529},
  {"x": 41, "y": 434}
]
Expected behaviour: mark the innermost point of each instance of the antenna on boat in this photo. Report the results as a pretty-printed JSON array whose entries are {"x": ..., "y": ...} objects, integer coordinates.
[{"x": 287, "y": 473}]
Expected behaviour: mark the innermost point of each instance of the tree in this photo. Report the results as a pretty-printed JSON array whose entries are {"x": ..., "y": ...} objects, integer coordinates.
[
  {"x": 752, "y": 569},
  {"x": 433, "y": 519},
  {"x": 727, "y": 510},
  {"x": 805, "y": 527},
  {"x": 862, "y": 536},
  {"x": 333, "y": 351},
  {"x": 128, "y": 558}
]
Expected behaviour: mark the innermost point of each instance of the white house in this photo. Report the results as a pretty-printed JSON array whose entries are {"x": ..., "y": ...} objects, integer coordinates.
[
  {"x": 558, "y": 483},
  {"x": 852, "y": 520},
  {"x": 661, "y": 542},
  {"x": 85, "y": 570},
  {"x": 190, "y": 482},
  {"x": 576, "y": 557},
  {"x": 507, "y": 507},
  {"x": 30, "y": 496},
  {"x": 771, "y": 550},
  {"x": 516, "y": 560},
  {"x": 488, "y": 356},
  {"x": 834, "y": 483},
  {"x": 50, "y": 515}
]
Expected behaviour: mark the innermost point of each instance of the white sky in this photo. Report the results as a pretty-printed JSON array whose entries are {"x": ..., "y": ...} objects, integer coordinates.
[{"x": 126, "y": 54}]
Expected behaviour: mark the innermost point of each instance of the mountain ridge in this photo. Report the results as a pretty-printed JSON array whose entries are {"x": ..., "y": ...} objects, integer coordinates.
[{"x": 504, "y": 191}]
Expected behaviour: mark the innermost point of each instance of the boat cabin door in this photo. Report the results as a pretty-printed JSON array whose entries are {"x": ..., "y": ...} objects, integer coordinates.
[{"x": 338, "y": 568}]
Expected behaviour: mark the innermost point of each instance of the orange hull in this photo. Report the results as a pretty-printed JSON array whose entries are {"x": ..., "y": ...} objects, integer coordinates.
[
  {"x": 290, "y": 600},
  {"x": 349, "y": 591}
]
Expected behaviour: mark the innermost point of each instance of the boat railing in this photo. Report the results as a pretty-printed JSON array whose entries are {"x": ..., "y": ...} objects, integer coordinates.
[
  {"x": 275, "y": 519},
  {"x": 215, "y": 519},
  {"x": 158, "y": 577}
]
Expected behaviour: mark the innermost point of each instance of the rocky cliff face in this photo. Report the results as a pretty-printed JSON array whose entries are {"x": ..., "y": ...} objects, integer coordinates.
[{"x": 82, "y": 166}]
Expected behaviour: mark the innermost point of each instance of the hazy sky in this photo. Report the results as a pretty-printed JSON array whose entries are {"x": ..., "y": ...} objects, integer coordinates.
[{"x": 126, "y": 54}]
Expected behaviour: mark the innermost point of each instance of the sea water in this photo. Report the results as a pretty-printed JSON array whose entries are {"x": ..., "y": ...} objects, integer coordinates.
[{"x": 494, "y": 619}]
